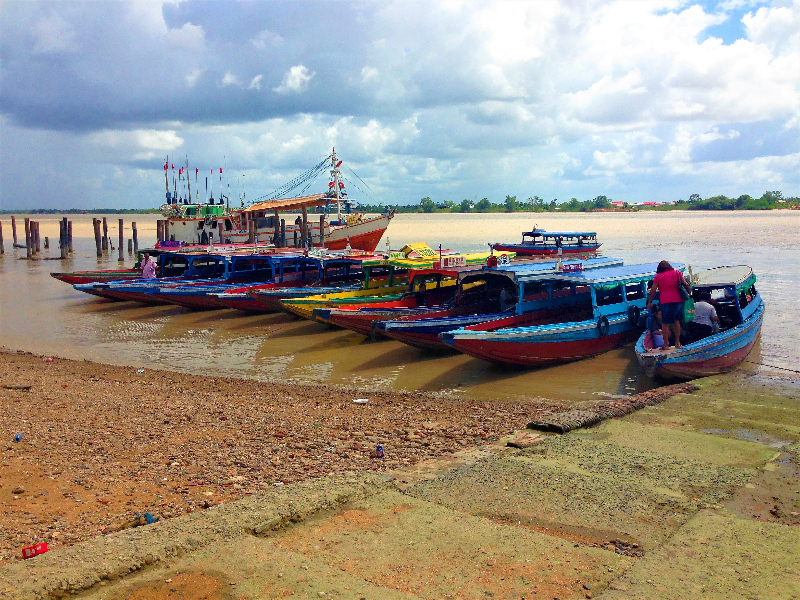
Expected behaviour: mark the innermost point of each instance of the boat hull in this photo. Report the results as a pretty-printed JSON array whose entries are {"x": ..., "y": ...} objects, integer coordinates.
[
  {"x": 96, "y": 276},
  {"x": 719, "y": 353}
]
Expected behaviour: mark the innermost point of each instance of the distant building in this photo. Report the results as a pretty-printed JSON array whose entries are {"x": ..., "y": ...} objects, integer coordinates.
[{"x": 618, "y": 204}]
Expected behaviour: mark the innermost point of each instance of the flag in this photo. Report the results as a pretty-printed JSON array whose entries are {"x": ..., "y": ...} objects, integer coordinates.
[
  {"x": 220, "y": 170},
  {"x": 331, "y": 184},
  {"x": 173, "y": 167},
  {"x": 196, "y": 171},
  {"x": 338, "y": 164},
  {"x": 166, "y": 166},
  {"x": 341, "y": 184}
]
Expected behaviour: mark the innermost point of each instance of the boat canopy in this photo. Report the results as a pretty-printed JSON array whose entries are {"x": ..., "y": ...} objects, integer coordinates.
[
  {"x": 537, "y": 270},
  {"x": 607, "y": 278},
  {"x": 288, "y": 203},
  {"x": 740, "y": 276},
  {"x": 568, "y": 234}
]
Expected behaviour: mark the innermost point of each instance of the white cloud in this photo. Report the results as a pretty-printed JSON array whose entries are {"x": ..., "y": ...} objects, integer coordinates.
[
  {"x": 266, "y": 38},
  {"x": 368, "y": 73},
  {"x": 230, "y": 79},
  {"x": 295, "y": 81},
  {"x": 54, "y": 35},
  {"x": 776, "y": 27},
  {"x": 138, "y": 139},
  {"x": 255, "y": 83},
  {"x": 188, "y": 37},
  {"x": 193, "y": 76}
]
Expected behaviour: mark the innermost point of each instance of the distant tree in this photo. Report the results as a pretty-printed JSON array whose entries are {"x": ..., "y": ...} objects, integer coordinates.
[
  {"x": 535, "y": 204},
  {"x": 484, "y": 205},
  {"x": 601, "y": 202},
  {"x": 553, "y": 203},
  {"x": 466, "y": 205},
  {"x": 695, "y": 198},
  {"x": 427, "y": 205},
  {"x": 511, "y": 203}
]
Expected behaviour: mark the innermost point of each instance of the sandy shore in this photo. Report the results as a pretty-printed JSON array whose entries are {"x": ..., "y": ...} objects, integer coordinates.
[{"x": 101, "y": 443}]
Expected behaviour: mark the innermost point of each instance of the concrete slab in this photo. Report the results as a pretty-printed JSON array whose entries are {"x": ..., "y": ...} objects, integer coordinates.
[
  {"x": 598, "y": 490},
  {"x": 718, "y": 556},
  {"x": 691, "y": 445}
]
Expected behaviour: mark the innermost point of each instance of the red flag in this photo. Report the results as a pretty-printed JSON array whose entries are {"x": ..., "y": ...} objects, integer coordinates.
[
  {"x": 341, "y": 185},
  {"x": 331, "y": 184},
  {"x": 338, "y": 164},
  {"x": 173, "y": 167},
  {"x": 220, "y": 170},
  {"x": 196, "y": 171},
  {"x": 166, "y": 166},
  {"x": 212, "y": 171}
]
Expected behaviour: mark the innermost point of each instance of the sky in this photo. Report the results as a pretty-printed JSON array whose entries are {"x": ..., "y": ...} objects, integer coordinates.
[{"x": 636, "y": 100}]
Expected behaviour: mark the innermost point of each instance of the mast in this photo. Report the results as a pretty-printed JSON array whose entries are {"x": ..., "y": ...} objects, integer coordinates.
[
  {"x": 166, "y": 177},
  {"x": 188, "y": 181},
  {"x": 335, "y": 174}
]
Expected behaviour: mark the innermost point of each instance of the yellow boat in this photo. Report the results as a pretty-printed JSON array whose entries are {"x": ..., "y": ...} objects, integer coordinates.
[{"x": 410, "y": 257}]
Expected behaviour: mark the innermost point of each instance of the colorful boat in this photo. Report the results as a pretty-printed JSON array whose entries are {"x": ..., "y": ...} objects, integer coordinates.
[
  {"x": 740, "y": 310},
  {"x": 195, "y": 223},
  {"x": 598, "y": 310},
  {"x": 105, "y": 275},
  {"x": 286, "y": 271},
  {"x": 547, "y": 243},
  {"x": 480, "y": 304}
]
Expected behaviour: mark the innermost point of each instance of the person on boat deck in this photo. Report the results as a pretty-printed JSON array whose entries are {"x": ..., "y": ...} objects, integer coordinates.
[
  {"x": 666, "y": 283},
  {"x": 654, "y": 325},
  {"x": 705, "y": 315},
  {"x": 148, "y": 267}
]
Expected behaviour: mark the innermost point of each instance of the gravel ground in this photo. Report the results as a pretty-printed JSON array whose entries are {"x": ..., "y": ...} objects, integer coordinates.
[{"x": 103, "y": 445}]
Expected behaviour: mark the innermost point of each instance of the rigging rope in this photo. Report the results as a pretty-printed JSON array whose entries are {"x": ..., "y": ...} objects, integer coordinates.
[
  {"x": 771, "y": 366},
  {"x": 304, "y": 178}
]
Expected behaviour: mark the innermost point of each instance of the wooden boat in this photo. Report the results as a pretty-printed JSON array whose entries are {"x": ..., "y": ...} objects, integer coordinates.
[
  {"x": 178, "y": 268},
  {"x": 740, "y": 310},
  {"x": 546, "y": 243},
  {"x": 405, "y": 260},
  {"x": 261, "y": 222},
  {"x": 481, "y": 304},
  {"x": 599, "y": 310},
  {"x": 105, "y": 275},
  {"x": 286, "y": 270}
]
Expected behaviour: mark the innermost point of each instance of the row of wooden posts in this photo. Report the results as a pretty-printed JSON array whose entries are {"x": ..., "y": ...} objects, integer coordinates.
[{"x": 33, "y": 241}]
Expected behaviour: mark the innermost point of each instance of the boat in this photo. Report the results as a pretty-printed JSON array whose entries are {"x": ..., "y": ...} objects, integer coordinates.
[
  {"x": 285, "y": 271},
  {"x": 539, "y": 242},
  {"x": 596, "y": 311},
  {"x": 177, "y": 269},
  {"x": 475, "y": 304},
  {"x": 261, "y": 222},
  {"x": 105, "y": 275},
  {"x": 410, "y": 258},
  {"x": 740, "y": 310}
]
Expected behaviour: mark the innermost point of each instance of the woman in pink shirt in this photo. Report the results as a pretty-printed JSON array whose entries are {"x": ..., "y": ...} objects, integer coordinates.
[
  {"x": 666, "y": 282},
  {"x": 148, "y": 267}
]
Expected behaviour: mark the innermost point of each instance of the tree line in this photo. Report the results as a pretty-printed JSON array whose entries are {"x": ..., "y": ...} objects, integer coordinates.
[{"x": 769, "y": 200}]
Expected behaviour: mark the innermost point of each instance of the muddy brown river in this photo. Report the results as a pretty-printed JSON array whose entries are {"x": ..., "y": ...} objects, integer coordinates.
[{"x": 46, "y": 316}]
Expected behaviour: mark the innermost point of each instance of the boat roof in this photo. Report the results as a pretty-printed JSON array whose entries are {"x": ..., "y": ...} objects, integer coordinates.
[
  {"x": 541, "y": 269},
  {"x": 615, "y": 274},
  {"x": 722, "y": 276},
  {"x": 289, "y": 203},
  {"x": 566, "y": 233}
]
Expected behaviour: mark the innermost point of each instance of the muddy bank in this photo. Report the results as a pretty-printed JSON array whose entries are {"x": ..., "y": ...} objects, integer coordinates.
[{"x": 102, "y": 443}]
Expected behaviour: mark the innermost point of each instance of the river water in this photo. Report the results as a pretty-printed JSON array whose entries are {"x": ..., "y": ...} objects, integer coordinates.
[{"x": 46, "y": 316}]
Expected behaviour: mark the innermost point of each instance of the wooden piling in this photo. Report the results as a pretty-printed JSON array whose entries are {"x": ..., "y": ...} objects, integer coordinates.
[
  {"x": 135, "y": 237},
  {"x": 251, "y": 234},
  {"x": 2, "y": 247},
  {"x": 322, "y": 230},
  {"x": 304, "y": 226},
  {"x": 37, "y": 247},
  {"x": 14, "y": 229},
  {"x": 160, "y": 230},
  {"x": 121, "y": 242},
  {"x": 62, "y": 239},
  {"x": 28, "y": 237},
  {"x": 98, "y": 242},
  {"x": 276, "y": 238},
  {"x": 130, "y": 246},
  {"x": 105, "y": 234},
  {"x": 68, "y": 231},
  {"x": 283, "y": 233},
  {"x": 166, "y": 230},
  {"x": 46, "y": 243}
]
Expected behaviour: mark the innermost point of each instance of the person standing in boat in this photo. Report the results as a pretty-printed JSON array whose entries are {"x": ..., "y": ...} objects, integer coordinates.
[
  {"x": 666, "y": 283},
  {"x": 148, "y": 267}
]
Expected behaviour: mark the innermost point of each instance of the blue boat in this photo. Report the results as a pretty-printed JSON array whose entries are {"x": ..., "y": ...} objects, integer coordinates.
[
  {"x": 539, "y": 242},
  {"x": 740, "y": 311},
  {"x": 585, "y": 313},
  {"x": 482, "y": 304}
]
